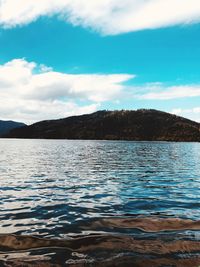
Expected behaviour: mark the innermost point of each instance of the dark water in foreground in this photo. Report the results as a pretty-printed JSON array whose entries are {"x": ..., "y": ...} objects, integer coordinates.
[{"x": 99, "y": 203}]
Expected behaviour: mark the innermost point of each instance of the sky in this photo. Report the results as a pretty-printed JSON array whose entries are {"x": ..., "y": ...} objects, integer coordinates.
[{"x": 70, "y": 57}]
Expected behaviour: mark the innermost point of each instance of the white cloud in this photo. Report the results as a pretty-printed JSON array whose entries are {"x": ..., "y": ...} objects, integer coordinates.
[
  {"x": 31, "y": 92},
  {"x": 32, "y": 111},
  {"x": 93, "y": 87},
  {"x": 192, "y": 113},
  {"x": 104, "y": 16},
  {"x": 160, "y": 92}
]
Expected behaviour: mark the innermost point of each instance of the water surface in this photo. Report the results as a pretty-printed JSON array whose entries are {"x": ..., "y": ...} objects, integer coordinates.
[{"x": 95, "y": 191}]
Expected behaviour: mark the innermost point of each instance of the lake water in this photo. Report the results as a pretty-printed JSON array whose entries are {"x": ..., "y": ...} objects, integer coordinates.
[{"x": 115, "y": 202}]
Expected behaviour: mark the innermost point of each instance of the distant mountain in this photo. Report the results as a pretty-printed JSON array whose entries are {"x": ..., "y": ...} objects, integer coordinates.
[
  {"x": 6, "y": 126},
  {"x": 141, "y": 125}
]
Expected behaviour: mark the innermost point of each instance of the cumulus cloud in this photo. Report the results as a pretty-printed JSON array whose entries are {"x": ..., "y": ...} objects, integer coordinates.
[
  {"x": 31, "y": 92},
  {"x": 190, "y": 113},
  {"x": 105, "y": 16}
]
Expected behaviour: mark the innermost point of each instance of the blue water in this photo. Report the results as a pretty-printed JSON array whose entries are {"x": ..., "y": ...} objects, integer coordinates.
[{"x": 55, "y": 188}]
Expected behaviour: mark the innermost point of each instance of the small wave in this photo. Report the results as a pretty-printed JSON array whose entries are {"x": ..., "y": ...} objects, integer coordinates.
[{"x": 147, "y": 224}]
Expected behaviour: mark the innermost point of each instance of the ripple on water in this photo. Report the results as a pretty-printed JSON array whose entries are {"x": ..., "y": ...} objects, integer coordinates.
[{"x": 61, "y": 188}]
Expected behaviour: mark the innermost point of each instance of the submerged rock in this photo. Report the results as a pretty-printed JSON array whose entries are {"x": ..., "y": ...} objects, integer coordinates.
[{"x": 107, "y": 249}]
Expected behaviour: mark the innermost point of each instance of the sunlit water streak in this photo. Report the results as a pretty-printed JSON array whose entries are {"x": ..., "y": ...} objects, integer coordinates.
[{"x": 56, "y": 188}]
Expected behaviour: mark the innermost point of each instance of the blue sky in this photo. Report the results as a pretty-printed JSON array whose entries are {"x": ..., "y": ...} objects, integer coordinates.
[{"x": 54, "y": 66}]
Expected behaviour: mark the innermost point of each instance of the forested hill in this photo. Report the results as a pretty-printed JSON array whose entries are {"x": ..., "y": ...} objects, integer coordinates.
[{"x": 138, "y": 125}]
